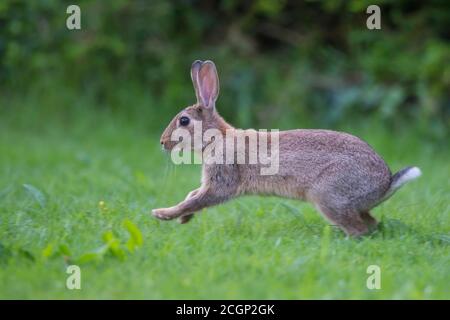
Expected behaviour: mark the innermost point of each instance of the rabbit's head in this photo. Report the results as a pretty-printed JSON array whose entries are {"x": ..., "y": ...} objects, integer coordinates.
[{"x": 202, "y": 114}]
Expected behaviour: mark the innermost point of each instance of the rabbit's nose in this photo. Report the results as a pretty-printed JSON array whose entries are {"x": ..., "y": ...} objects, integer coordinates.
[{"x": 163, "y": 144}]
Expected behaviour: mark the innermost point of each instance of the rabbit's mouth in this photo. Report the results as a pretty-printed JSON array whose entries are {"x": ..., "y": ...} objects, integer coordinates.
[
  {"x": 166, "y": 147},
  {"x": 169, "y": 146}
]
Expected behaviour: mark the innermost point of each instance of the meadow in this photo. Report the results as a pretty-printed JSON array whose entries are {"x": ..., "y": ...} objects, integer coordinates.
[{"x": 77, "y": 187}]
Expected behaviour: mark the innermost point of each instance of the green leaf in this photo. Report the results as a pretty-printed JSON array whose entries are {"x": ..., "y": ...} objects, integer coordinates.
[
  {"x": 136, "y": 239},
  {"x": 64, "y": 250},
  {"x": 118, "y": 252},
  {"x": 47, "y": 252},
  {"x": 89, "y": 257},
  {"x": 114, "y": 245},
  {"x": 93, "y": 256},
  {"x": 36, "y": 194}
]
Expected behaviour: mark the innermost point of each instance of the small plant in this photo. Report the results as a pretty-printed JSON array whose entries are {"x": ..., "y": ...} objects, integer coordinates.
[{"x": 112, "y": 246}]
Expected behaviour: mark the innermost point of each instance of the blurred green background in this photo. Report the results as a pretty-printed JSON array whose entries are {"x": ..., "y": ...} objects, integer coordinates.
[
  {"x": 81, "y": 168},
  {"x": 281, "y": 63}
]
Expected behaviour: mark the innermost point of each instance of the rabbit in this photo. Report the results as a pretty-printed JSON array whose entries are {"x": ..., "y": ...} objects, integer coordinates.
[{"x": 340, "y": 174}]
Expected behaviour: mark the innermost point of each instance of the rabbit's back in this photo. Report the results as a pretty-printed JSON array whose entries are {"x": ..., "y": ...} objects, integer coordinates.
[
  {"x": 313, "y": 151},
  {"x": 322, "y": 163}
]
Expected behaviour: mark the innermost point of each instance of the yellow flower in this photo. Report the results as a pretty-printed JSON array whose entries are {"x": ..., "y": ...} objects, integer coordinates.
[{"x": 102, "y": 205}]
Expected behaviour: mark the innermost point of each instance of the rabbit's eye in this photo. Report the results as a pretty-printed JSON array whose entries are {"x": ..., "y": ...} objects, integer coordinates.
[{"x": 184, "y": 121}]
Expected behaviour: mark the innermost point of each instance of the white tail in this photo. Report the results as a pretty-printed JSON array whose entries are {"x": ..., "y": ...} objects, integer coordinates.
[{"x": 400, "y": 178}]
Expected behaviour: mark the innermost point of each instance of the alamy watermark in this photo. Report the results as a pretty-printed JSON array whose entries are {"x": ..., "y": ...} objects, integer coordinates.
[
  {"x": 374, "y": 280},
  {"x": 73, "y": 22},
  {"x": 374, "y": 20},
  {"x": 236, "y": 146},
  {"x": 73, "y": 281}
]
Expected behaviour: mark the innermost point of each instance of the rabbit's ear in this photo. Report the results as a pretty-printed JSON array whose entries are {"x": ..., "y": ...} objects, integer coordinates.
[
  {"x": 208, "y": 84},
  {"x": 195, "y": 68}
]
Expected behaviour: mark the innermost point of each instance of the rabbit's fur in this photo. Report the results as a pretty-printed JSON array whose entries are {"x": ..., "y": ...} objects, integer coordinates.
[{"x": 337, "y": 172}]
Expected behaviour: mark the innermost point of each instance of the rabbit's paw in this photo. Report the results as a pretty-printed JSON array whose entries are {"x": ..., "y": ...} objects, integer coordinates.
[{"x": 162, "y": 214}]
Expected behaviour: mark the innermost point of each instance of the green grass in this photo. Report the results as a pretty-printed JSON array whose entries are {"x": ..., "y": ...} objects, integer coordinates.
[{"x": 253, "y": 247}]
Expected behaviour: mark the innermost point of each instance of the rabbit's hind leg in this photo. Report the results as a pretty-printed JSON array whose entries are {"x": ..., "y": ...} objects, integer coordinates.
[
  {"x": 371, "y": 222},
  {"x": 349, "y": 220}
]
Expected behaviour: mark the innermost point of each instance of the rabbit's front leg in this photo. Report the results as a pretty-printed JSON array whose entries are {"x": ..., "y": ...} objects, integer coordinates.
[
  {"x": 192, "y": 193},
  {"x": 160, "y": 213},
  {"x": 205, "y": 197}
]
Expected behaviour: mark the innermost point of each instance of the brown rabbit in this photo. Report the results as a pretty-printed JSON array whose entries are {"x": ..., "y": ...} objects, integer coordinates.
[{"x": 337, "y": 172}]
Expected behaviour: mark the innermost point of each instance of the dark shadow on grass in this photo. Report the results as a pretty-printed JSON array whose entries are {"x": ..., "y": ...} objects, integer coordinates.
[{"x": 394, "y": 229}]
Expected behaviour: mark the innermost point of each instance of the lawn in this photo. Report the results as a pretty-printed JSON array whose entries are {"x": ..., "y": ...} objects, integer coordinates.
[{"x": 78, "y": 188}]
